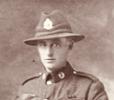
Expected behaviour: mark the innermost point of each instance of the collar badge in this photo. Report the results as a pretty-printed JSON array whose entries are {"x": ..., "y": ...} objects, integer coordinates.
[
  {"x": 61, "y": 75},
  {"x": 48, "y": 24}
]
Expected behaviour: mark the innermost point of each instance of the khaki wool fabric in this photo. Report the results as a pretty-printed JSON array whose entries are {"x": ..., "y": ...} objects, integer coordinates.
[{"x": 64, "y": 84}]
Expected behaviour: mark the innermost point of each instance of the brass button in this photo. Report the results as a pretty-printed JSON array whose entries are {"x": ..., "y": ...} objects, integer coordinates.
[
  {"x": 45, "y": 99},
  {"x": 74, "y": 72},
  {"x": 49, "y": 82}
]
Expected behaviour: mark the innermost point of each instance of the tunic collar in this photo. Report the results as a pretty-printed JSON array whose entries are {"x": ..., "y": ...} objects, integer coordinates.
[{"x": 58, "y": 75}]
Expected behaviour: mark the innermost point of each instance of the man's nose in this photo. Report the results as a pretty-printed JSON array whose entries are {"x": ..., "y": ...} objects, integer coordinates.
[{"x": 49, "y": 51}]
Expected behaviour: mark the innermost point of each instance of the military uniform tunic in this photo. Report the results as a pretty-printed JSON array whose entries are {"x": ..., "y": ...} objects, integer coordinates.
[{"x": 63, "y": 84}]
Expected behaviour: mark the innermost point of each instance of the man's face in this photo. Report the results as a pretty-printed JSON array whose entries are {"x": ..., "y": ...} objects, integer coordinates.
[{"x": 53, "y": 52}]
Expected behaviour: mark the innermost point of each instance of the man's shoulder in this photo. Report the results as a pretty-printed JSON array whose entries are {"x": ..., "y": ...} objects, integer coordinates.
[
  {"x": 30, "y": 85},
  {"x": 87, "y": 76},
  {"x": 86, "y": 80},
  {"x": 32, "y": 78}
]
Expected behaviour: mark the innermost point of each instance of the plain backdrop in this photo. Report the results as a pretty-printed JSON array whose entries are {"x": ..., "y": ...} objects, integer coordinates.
[{"x": 95, "y": 54}]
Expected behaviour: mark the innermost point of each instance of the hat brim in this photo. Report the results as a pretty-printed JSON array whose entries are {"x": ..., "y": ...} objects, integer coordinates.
[{"x": 33, "y": 41}]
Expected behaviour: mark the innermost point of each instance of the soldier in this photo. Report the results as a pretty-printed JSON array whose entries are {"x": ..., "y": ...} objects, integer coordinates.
[{"x": 54, "y": 40}]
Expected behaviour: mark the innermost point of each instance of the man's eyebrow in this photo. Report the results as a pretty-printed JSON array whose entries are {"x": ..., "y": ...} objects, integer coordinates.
[{"x": 56, "y": 40}]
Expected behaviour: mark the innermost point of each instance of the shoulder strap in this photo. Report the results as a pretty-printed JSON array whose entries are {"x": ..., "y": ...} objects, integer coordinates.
[
  {"x": 93, "y": 78},
  {"x": 31, "y": 78}
]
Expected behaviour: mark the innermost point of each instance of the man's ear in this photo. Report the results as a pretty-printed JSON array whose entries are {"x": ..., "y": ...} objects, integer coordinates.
[
  {"x": 71, "y": 45},
  {"x": 71, "y": 42}
]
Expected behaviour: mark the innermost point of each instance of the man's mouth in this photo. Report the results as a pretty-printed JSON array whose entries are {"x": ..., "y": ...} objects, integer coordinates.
[{"x": 50, "y": 59}]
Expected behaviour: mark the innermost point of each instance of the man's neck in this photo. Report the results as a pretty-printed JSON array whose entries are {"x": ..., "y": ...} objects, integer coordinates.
[{"x": 57, "y": 68}]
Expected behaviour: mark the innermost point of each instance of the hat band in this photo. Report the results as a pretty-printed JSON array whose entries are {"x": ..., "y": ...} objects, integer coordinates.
[{"x": 44, "y": 33}]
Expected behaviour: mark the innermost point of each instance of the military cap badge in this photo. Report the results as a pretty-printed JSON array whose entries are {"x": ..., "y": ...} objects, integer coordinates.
[{"x": 48, "y": 24}]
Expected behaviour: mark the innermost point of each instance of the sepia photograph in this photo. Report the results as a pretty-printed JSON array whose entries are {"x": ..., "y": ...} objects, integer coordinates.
[{"x": 56, "y": 49}]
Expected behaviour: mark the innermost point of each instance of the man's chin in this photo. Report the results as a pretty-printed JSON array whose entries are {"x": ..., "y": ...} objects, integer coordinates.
[{"x": 49, "y": 66}]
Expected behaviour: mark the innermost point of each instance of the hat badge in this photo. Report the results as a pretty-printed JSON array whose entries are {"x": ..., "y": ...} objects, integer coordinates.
[{"x": 48, "y": 24}]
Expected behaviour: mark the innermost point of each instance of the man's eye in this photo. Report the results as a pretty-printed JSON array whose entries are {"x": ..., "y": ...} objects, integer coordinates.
[{"x": 56, "y": 45}]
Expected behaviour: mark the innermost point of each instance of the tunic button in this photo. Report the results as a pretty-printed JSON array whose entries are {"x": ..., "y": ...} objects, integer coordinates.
[
  {"x": 74, "y": 72},
  {"x": 45, "y": 99},
  {"x": 49, "y": 82}
]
